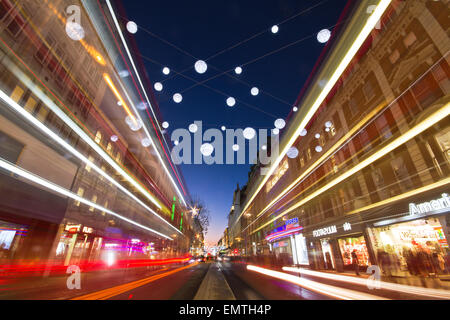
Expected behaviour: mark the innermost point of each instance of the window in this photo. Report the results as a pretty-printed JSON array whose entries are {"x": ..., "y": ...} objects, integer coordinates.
[
  {"x": 118, "y": 157},
  {"x": 17, "y": 94},
  {"x": 394, "y": 56},
  {"x": 353, "y": 107},
  {"x": 302, "y": 162},
  {"x": 42, "y": 113},
  {"x": 94, "y": 200},
  {"x": 88, "y": 167},
  {"x": 106, "y": 207},
  {"x": 109, "y": 147},
  {"x": 308, "y": 153},
  {"x": 443, "y": 140},
  {"x": 80, "y": 193},
  {"x": 16, "y": 23},
  {"x": 284, "y": 166},
  {"x": 368, "y": 90},
  {"x": 410, "y": 39},
  {"x": 98, "y": 137},
  {"x": 30, "y": 105},
  {"x": 5, "y": 7}
]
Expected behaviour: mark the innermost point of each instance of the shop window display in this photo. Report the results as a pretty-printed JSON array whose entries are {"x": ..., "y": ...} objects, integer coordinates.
[
  {"x": 417, "y": 248},
  {"x": 347, "y": 245}
]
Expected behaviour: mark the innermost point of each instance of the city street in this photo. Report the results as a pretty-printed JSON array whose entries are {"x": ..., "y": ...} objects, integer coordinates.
[{"x": 202, "y": 281}]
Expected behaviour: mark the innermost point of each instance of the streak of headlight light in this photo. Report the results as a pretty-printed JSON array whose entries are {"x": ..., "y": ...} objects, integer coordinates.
[
  {"x": 146, "y": 97},
  {"x": 368, "y": 27},
  {"x": 56, "y": 188},
  {"x": 416, "y": 130},
  {"x": 325, "y": 289},
  {"x": 80, "y": 132},
  {"x": 75, "y": 152},
  {"x": 113, "y": 88},
  {"x": 429, "y": 292}
]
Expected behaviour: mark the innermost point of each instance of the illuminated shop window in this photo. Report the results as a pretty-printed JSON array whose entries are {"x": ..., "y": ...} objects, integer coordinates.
[
  {"x": 106, "y": 206},
  {"x": 278, "y": 174},
  {"x": 118, "y": 158},
  {"x": 109, "y": 147},
  {"x": 80, "y": 193},
  {"x": 308, "y": 153},
  {"x": 98, "y": 137},
  {"x": 94, "y": 200}
]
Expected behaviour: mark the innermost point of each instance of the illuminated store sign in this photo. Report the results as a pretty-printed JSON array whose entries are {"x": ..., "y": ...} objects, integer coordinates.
[
  {"x": 73, "y": 228},
  {"x": 324, "y": 231},
  {"x": 426, "y": 207}
]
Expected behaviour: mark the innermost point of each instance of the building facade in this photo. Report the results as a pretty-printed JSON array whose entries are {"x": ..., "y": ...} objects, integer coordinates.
[{"x": 369, "y": 171}]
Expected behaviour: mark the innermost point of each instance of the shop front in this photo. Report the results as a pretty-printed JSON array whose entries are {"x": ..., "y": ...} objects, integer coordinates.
[
  {"x": 415, "y": 244},
  {"x": 288, "y": 244},
  {"x": 339, "y": 246}
]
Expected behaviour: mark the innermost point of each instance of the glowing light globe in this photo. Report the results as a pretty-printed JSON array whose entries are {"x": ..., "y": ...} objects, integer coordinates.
[
  {"x": 280, "y": 123},
  {"x": 142, "y": 105},
  {"x": 74, "y": 31},
  {"x": 124, "y": 73},
  {"x": 275, "y": 131},
  {"x": 132, "y": 27},
  {"x": 274, "y": 29},
  {"x": 201, "y": 66},
  {"x": 328, "y": 124},
  {"x": 134, "y": 124},
  {"x": 295, "y": 109},
  {"x": 158, "y": 86},
  {"x": 206, "y": 149},
  {"x": 254, "y": 91},
  {"x": 292, "y": 153},
  {"x": 166, "y": 71},
  {"x": 165, "y": 124},
  {"x": 177, "y": 98},
  {"x": 317, "y": 136},
  {"x": 249, "y": 133},
  {"x": 318, "y": 149},
  {"x": 119, "y": 103},
  {"x": 231, "y": 101},
  {"x": 146, "y": 142},
  {"x": 327, "y": 129},
  {"x": 264, "y": 147},
  {"x": 324, "y": 35},
  {"x": 193, "y": 128},
  {"x": 304, "y": 132},
  {"x": 114, "y": 138},
  {"x": 223, "y": 128},
  {"x": 176, "y": 142},
  {"x": 235, "y": 147},
  {"x": 238, "y": 70}
]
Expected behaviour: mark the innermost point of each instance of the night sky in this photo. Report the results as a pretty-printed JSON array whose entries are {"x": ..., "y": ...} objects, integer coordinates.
[{"x": 202, "y": 28}]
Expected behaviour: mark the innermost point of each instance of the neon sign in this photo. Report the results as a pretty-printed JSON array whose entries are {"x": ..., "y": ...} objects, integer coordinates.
[{"x": 427, "y": 207}]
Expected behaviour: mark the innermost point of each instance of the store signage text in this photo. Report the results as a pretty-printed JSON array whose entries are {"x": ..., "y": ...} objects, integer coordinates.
[
  {"x": 324, "y": 231},
  {"x": 71, "y": 228},
  {"x": 426, "y": 207},
  {"x": 87, "y": 230},
  {"x": 347, "y": 226}
]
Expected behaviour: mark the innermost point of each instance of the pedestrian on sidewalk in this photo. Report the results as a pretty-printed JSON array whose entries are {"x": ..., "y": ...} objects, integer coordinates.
[{"x": 355, "y": 262}]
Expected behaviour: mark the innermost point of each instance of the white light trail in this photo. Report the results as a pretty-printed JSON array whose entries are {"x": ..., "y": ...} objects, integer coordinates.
[{"x": 56, "y": 188}]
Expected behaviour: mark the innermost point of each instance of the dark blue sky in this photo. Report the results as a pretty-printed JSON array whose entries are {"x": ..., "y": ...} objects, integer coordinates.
[{"x": 203, "y": 28}]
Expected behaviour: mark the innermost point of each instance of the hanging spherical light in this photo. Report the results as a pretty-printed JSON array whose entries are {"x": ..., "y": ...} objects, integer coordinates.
[
  {"x": 235, "y": 147},
  {"x": 264, "y": 147},
  {"x": 275, "y": 131},
  {"x": 249, "y": 133},
  {"x": 158, "y": 86},
  {"x": 193, "y": 128},
  {"x": 223, "y": 128},
  {"x": 327, "y": 129},
  {"x": 201, "y": 66},
  {"x": 238, "y": 70},
  {"x": 254, "y": 91},
  {"x": 146, "y": 142},
  {"x": 280, "y": 123},
  {"x": 274, "y": 29},
  {"x": 165, "y": 124},
  {"x": 295, "y": 109},
  {"x": 292, "y": 152},
  {"x": 119, "y": 103},
  {"x": 206, "y": 149},
  {"x": 324, "y": 35},
  {"x": 317, "y": 136},
  {"x": 166, "y": 71},
  {"x": 175, "y": 142},
  {"x": 318, "y": 149},
  {"x": 114, "y": 138},
  {"x": 231, "y": 101},
  {"x": 177, "y": 98},
  {"x": 304, "y": 132},
  {"x": 328, "y": 124},
  {"x": 132, "y": 27}
]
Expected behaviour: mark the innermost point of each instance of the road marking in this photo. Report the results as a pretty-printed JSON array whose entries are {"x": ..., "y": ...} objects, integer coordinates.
[{"x": 114, "y": 291}]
